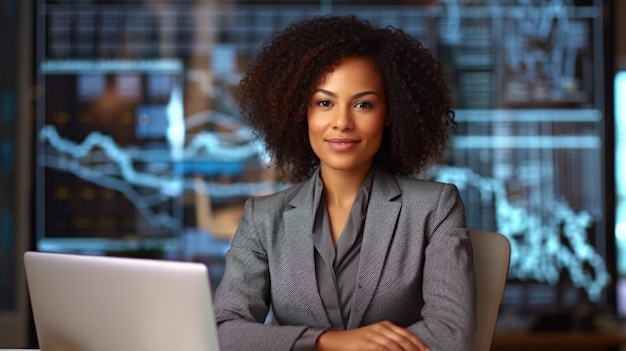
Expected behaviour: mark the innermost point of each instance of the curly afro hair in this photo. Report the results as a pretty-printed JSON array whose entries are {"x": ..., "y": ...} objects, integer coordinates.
[{"x": 275, "y": 91}]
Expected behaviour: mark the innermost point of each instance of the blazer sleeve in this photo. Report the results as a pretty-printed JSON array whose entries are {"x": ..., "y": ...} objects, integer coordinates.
[
  {"x": 242, "y": 299},
  {"x": 449, "y": 311}
]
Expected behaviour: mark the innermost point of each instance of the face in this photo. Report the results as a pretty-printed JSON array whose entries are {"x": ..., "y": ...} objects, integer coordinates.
[{"x": 346, "y": 116}]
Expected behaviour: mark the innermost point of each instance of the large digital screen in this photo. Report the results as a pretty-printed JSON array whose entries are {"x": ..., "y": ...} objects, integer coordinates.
[{"x": 140, "y": 146}]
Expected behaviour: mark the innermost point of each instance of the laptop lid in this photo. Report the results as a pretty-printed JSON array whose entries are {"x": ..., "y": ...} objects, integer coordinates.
[{"x": 99, "y": 303}]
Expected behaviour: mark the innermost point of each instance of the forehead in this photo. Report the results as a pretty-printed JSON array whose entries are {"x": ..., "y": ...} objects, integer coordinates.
[{"x": 352, "y": 70}]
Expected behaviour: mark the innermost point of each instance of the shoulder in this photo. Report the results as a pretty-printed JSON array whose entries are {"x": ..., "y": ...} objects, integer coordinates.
[
  {"x": 277, "y": 201},
  {"x": 419, "y": 194},
  {"x": 424, "y": 188}
]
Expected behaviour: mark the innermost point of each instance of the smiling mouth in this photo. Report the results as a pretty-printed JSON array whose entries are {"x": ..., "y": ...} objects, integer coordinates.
[{"x": 342, "y": 144}]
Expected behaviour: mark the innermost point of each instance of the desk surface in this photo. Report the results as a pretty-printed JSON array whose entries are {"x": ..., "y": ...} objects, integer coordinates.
[
  {"x": 558, "y": 341},
  {"x": 539, "y": 341}
]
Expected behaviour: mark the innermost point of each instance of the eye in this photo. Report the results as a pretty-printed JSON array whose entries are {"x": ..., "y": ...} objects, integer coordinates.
[
  {"x": 363, "y": 105},
  {"x": 323, "y": 103}
]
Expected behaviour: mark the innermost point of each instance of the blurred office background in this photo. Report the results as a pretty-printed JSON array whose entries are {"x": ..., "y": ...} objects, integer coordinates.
[{"x": 120, "y": 135}]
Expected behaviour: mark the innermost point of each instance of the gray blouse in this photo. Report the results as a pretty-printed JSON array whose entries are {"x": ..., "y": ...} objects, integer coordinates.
[{"x": 336, "y": 267}]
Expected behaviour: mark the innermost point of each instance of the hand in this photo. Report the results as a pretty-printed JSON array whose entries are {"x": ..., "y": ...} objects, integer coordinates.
[{"x": 383, "y": 336}]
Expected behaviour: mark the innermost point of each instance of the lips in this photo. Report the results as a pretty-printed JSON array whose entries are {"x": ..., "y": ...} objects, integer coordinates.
[{"x": 342, "y": 144}]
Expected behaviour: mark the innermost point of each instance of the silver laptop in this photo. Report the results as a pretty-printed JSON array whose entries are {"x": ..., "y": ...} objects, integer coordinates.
[{"x": 96, "y": 303}]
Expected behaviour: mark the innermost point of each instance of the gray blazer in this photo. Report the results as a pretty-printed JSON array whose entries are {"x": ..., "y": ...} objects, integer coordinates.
[{"x": 415, "y": 268}]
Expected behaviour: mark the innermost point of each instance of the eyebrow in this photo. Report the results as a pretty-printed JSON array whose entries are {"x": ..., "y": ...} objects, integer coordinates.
[{"x": 355, "y": 96}]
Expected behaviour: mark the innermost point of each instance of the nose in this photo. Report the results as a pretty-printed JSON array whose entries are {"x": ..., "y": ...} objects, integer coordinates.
[{"x": 343, "y": 119}]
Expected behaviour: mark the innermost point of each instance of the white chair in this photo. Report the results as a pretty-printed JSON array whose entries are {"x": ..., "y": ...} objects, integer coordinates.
[{"x": 492, "y": 252}]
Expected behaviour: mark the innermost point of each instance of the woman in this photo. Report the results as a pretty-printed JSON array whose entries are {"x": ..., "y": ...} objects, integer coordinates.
[{"x": 356, "y": 255}]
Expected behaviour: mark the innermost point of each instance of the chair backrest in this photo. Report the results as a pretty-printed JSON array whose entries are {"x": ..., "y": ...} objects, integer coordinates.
[{"x": 492, "y": 252}]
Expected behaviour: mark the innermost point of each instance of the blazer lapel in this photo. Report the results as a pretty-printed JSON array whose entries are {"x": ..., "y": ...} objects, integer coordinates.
[
  {"x": 381, "y": 218},
  {"x": 298, "y": 223}
]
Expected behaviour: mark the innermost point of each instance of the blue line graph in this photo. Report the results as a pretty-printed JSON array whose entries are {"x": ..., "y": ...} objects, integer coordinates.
[
  {"x": 538, "y": 251},
  {"x": 100, "y": 160}
]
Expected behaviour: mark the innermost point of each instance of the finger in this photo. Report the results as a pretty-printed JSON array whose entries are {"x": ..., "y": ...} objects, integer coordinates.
[
  {"x": 392, "y": 341},
  {"x": 407, "y": 340},
  {"x": 379, "y": 337}
]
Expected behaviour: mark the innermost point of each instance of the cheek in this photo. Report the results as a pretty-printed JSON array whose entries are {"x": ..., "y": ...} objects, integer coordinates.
[
  {"x": 375, "y": 128},
  {"x": 315, "y": 124}
]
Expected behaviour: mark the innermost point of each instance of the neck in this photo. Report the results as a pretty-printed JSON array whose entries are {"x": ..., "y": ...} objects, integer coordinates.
[{"x": 341, "y": 187}]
